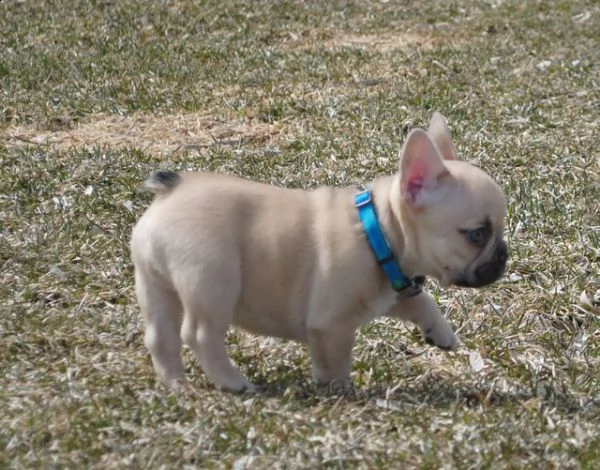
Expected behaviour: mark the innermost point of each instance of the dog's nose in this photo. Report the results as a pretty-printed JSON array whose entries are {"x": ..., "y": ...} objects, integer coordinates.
[
  {"x": 501, "y": 254},
  {"x": 490, "y": 271}
]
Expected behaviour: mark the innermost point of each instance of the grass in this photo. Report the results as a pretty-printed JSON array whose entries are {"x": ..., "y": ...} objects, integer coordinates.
[{"x": 297, "y": 94}]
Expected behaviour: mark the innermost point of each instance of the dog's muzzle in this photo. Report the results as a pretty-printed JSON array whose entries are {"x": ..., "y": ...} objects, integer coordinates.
[{"x": 489, "y": 271}]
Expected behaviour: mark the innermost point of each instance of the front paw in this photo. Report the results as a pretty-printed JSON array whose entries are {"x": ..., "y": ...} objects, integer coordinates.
[{"x": 441, "y": 335}]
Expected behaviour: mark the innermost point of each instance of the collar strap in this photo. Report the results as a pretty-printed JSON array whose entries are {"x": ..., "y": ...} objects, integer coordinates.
[{"x": 381, "y": 248}]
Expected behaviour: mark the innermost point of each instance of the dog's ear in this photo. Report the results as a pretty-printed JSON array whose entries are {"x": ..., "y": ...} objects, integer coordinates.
[
  {"x": 422, "y": 170},
  {"x": 439, "y": 133}
]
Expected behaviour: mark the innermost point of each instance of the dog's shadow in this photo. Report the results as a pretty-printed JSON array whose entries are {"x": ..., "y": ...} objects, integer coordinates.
[{"x": 435, "y": 392}]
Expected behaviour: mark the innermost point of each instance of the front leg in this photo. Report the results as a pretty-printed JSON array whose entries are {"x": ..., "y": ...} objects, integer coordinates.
[
  {"x": 422, "y": 310},
  {"x": 331, "y": 352}
]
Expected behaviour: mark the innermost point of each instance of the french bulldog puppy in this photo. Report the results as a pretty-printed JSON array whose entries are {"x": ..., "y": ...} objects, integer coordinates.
[{"x": 215, "y": 250}]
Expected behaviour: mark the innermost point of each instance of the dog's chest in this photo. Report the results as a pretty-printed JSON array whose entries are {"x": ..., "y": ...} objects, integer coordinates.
[{"x": 382, "y": 303}]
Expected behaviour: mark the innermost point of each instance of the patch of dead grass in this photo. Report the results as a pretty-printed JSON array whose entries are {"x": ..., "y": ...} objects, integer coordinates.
[
  {"x": 382, "y": 43},
  {"x": 78, "y": 387},
  {"x": 159, "y": 135}
]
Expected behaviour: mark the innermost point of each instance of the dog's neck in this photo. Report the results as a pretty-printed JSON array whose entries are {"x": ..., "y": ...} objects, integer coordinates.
[{"x": 387, "y": 199}]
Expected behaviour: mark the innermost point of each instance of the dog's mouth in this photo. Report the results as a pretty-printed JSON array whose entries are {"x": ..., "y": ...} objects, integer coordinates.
[
  {"x": 484, "y": 275},
  {"x": 488, "y": 272},
  {"x": 475, "y": 284}
]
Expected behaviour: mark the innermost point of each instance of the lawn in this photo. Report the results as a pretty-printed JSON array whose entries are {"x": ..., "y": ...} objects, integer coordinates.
[{"x": 96, "y": 95}]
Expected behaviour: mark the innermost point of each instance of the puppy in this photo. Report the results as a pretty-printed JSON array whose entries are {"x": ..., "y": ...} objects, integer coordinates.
[{"x": 312, "y": 266}]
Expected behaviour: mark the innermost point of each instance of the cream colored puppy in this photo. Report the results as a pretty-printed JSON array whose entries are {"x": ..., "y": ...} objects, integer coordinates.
[{"x": 215, "y": 250}]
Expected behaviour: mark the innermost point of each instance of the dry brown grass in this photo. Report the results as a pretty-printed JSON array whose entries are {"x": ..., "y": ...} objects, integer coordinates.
[
  {"x": 387, "y": 42},
  {"x": 296, "y": 94},
  {"x": 157, "y": 134}
]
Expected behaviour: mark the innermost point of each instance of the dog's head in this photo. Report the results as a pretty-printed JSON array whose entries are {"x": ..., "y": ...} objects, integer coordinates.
[{"x": 452, "y": 212}]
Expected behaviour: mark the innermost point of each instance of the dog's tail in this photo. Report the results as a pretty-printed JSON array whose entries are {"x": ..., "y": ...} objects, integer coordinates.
[{"x": 161, "y": 182}]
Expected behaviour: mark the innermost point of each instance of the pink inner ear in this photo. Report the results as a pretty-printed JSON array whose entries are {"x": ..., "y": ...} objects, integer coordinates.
[
  {"x": 414, "y": 185},
  {"x": 416, "y": 177}
]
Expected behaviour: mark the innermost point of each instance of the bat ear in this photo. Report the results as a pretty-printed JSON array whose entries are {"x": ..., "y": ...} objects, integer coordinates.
[
  {"x": 439, "y": 133},
  {"x": 422, "y": 169}
]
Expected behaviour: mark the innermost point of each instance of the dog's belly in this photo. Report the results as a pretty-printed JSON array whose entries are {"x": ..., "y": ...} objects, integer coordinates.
[
  {"x": 277, "y": 324},
  {"x": 281, "y": 323}
]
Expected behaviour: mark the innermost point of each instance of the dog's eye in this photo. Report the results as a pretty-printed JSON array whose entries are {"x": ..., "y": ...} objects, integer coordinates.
[{"x": 478, "y": 236}]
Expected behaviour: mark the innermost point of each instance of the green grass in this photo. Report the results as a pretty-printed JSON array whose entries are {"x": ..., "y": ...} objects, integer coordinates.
[{"x": 299, "y": 94}]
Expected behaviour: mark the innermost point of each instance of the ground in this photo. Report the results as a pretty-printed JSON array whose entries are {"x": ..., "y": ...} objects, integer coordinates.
[{"x": 96, "y": 95}]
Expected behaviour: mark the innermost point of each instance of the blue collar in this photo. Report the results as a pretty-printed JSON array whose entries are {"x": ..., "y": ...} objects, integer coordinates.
[{"x": 381, "y": 248}]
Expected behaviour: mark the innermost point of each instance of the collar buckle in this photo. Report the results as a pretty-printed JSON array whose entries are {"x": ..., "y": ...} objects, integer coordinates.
[{"x": 363, "y": 199}]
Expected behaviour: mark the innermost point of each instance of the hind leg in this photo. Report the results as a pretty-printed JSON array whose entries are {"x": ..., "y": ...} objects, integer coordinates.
[
  {"x": 208, "y": 312},
  {"x": 162, "y": 312},
  {"x": 207, "y": 341}
]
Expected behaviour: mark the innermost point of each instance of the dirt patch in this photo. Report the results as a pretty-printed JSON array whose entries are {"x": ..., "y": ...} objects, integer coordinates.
[
  {"x": 376, "y": 42},
  {"x": 384, "y": 43},
  {"x": 159, "y": 135}
]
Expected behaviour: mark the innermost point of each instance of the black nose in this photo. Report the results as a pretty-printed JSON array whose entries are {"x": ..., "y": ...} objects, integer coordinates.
[
  {"x": 501, "y": 254},
  {"x": 494, "y": 268},
  {"x": 490, "y": 271}
]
